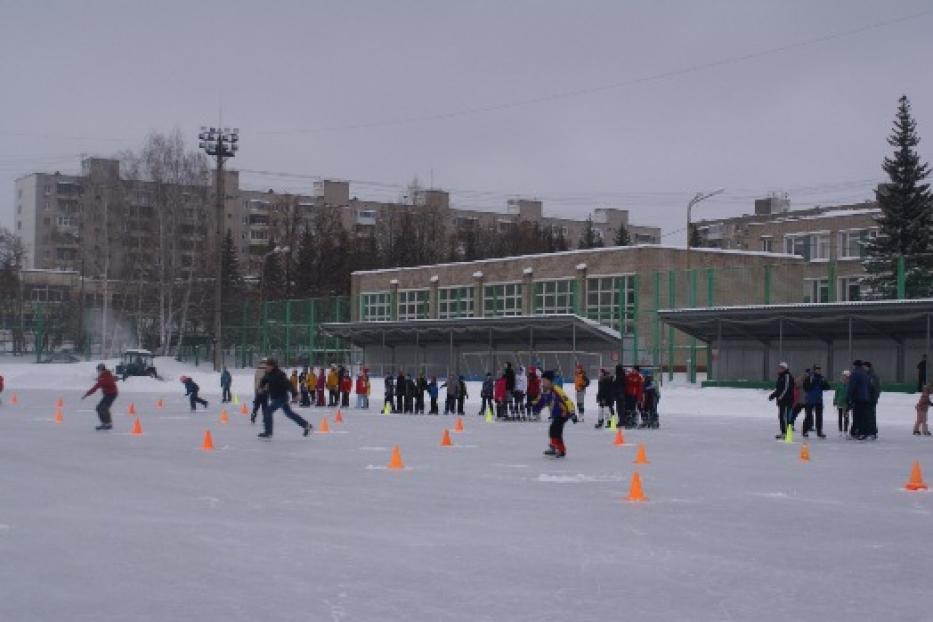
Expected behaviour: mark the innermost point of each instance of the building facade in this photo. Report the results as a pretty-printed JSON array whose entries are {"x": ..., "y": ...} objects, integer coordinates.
[
  {"x": 76, "y": 222},
  {"x": 830, "y": 239}
]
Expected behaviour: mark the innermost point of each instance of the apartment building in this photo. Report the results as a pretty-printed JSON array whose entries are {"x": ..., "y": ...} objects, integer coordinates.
[
  {"x": 831, "y": 240},
  {"x": 75, "y": 222}
]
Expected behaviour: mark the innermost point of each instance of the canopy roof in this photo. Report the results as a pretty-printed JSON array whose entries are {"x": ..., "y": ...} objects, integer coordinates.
[
  {"x": 539, "y": 330},
  {"x": 894, "y": 319}
]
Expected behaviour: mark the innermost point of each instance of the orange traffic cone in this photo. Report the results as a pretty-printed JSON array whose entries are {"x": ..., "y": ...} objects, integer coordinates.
[
  {"x": 59, "y": 403},
  {"x": 137, "y": 428},
  {"x": 445, "y": 440},
  {"x": 635, "y": 492},
  {"x": 458, "y": 427},
  {"x": 338, "y": 418},
  {"x": 395, "y": 462},
  {"x": 131, "y": 409},
  {"x": 14, "y": 400},
  {"x": 208, "y": 443},
  {"x": 324, "y": 429},
  {"x": 805, "y": 453},
  {"x": 243, "y": 409},
  {"x": 641, "y": 457},
  {"x": 916, "y": 479},
  {"x": 160, "y": 403},
  {"x": 619, "y": 440},
  {"x": 224, "y": 416},
  {"x": 58, "y": 415}
]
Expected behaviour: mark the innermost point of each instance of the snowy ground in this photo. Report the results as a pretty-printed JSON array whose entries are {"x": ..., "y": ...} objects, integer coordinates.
[{"x": 103, "y": 527}]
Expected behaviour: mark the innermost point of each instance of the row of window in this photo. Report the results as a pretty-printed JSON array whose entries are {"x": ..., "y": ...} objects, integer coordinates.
[
  {"x": 817, "y": 246},
  {"x": 848, "y": 289},
  {"x": 606, "y": 296}
]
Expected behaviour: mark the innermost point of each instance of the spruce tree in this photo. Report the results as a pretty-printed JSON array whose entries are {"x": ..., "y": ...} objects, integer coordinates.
[
  {"x": 272, "y": 279},
  {"x": 306, "y": 273},
  {"x": 697, "y": 239},
  {"x": 231, "y": 279},
  {"x": 622, "y": 237},
  {"x": 906, "y": 217},
  {"x": 590, "y": 238}
]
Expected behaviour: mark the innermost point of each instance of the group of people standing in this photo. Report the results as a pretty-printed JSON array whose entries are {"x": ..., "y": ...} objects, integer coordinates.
[
  {"x": 627, "y": 395},
  {"x": 512, "y": 394}
]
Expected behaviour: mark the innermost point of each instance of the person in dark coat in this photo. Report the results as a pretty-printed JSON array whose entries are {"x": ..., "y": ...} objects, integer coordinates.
[
  {"x": 921, "y": 373},
  {"x": 409, "y": 394},
  {"x": 485, "y": 393},
  {"x": 433, "y": 392},
  {"x": 783, "y": 394},
  {"x": 225, "y": 381},
  {"x": 389, "y": 393},
  {"x": 618, "y": 390},
  {"x": 463, "y": 395},
  {"x": 108, "y": 388},
  {"x": 421, "y": 385},
  {"x": 604, "y": 398},
  {"x": 813, "y": 387},
  {"x": 191, "y": 392},
  {"x": 279, "y": 388},
  {"x": 858, "y": 394},
  {"x": 400, "y": 391},
  {"x": 874, "y": 394}
]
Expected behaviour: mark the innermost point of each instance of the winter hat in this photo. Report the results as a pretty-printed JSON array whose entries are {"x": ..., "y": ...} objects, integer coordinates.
[
  {"x": 183, "y": 379},
  {"x": 857, "y": 363},
  {"x": 783, "y": 365},
  {"x": 101, "y": 367},
  {"x": 846, "y": 373},
  {"x": 548, "y": 375}
]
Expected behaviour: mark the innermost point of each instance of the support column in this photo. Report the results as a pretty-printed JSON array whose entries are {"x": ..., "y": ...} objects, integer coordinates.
[
  {"x": 851, "y": 357},
  {"x": 479, "y": 294},
  {"x": 579, "y": 290},
  {"x": 528, "y": 291},
  {"x": 433, "y": 298},
  {"x": 671, "y": 304},
  {"x": 781, "y": 338},
  {"x": 393, "y": 300},
  {"x": 692, "y": 302}
]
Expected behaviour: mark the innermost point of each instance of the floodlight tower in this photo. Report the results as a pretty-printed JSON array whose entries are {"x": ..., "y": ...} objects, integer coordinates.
[{"x": 221, "y": 143}]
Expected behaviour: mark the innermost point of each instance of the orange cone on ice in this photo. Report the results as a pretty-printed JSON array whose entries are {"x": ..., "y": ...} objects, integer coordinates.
[
  {"x": 916, "y": 479},
  {"x": 458, "y": 427},
  {"x": 395, "y": 463},
  {"x": 59, "y": 403},
  {"x": 14, "y": 400},
  {"x": 160, "y": 403},
  {"x": 619, "y": 440},
  {"x": 137, "y": 428},
  {"x": 635, "y": 492},
  {"x": 338, "y": 418},
  {"x": 131, "y": 409},
  {"x": 208, "y": 443},
  {"x": 58, "y": 415},
  {"x": 224, "y": 416},
  {"x": 805, "y": 453},
  {"x": 445, "y": 440},
  {"x": 243, "y": 409},
  {"x": 325, "y": 428},
  {"x": 641, "y": 457}
]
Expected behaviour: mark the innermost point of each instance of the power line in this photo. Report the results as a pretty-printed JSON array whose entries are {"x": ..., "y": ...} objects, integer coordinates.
[{"x": 568, "y": 94}]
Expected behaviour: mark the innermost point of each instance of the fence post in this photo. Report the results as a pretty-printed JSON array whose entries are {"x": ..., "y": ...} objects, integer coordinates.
[
  {"x": 710, "y": 302},
  {"x": 635, "y": 318},
  {"x": 656, "y": 328},
  {"x": 692, "y": 302},
  {"x": 671, "y": 304},
  {"x": 901, "y": 278}
]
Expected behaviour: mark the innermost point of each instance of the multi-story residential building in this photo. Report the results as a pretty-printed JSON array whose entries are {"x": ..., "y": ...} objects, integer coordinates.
[
  {"x": 831, "y": 239},
  {"x": 75, "y": 221}
]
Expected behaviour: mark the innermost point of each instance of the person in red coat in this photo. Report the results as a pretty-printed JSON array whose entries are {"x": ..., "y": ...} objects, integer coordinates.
[
  {"x": 362, "y": 390},
  {"x": 321, "y": 385},
  {"x": 634, "y": 395},
  {"x": 534, "y": 389},
  {"x": 346, "y": 385},
  {"x": 108, "y": 388},
  {"x": 499, "y": 392}
]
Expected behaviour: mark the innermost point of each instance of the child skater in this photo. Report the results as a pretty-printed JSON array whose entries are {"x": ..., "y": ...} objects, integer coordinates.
[
  {"x": 561, "y": 410},
  {"x": 923, "y": 407},
  {"x": 841, "y": 402}
]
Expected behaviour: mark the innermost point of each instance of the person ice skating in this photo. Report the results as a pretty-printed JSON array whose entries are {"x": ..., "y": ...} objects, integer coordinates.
[
  {"x": 813, "y": 387},
  {"x": 558, "y": 380},
  {"x": 293, "y": 379},
  {"x": 604, "y": 399},
  {"x": 304, "y": 400},
  {"x": 580, "y": 383},
  {"x": 841, "y": 402},
  {"x": 783, "y": 394},
  {"x": 311, "y": 385},
  {"x": 191, "y": 392},
  {"x": 433, "y": 392},
  {"x": 462, "y": 397},
  {"x": 634, "y": 394},
  {"x": 922, "y": 373},
  {"x": 499, "y": 391},
  {"x": 321, "y": 387},
  {"x": 333, "y": 384},
  {"x": 362, "y": 390},
  {"x": 858, "y": 395},
  {"x": 389, "y": 394},
  {"x": 421, "y": 386},
  {"x": 278, "y": 386},
  {"x": 799, "y": 397},
  {"x": 409, "y": 394},
  {"x": 346, "y": 385},
  {"x": 518, "y": 396},
  {"x": 874, "y": 386},
  {"x": 108, "y": 388},
  {"x": 225, "y": 381},
  {"x": 260, "y": 398},
  {"x": 652, "y": 395},
  {"x": 618, "y": 392},
  {"x": 923, "y": 409},
  {"x": 561, "y": 410},
  {"x": 401, "y": 390},
  {"x": 534, "y": 390},
  {"x": 1, "y": 390},
  {"x": 486, "y": 393}
]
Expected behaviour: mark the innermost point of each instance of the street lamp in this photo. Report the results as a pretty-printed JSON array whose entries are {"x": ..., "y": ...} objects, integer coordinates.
[
  {"x": 697, "y": 198},
  {"x": 219, "y": 143}
]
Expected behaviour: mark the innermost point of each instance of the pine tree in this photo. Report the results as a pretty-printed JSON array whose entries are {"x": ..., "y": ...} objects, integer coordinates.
[
  {"x": 622, "y": 237},
  {"x": 306, "y": 276},
  {"x": 697, "y": 239},
  {"x": 590, "y": 237},
  {"x": 906, "y": 217},
  {"x": 272, "y": 279}
]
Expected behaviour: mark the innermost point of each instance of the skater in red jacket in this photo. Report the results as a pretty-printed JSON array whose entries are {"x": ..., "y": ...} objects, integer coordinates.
[{"x": 108, "y": 387}]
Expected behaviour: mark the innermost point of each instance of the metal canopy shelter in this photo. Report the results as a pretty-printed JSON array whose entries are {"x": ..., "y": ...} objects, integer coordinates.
[{"x": 824, "y": 323}]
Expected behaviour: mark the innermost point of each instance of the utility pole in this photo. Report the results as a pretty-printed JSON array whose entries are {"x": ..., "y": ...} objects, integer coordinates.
[
  {"x": 221, "y": 143},
  {"x": 699, "y": 196}
]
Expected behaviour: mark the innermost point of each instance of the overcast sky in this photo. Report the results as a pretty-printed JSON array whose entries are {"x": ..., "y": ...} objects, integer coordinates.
[{"x": 490, "y": 99}]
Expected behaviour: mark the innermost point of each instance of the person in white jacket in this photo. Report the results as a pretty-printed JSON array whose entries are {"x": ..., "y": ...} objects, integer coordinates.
[{"x": 518, "y": 395}]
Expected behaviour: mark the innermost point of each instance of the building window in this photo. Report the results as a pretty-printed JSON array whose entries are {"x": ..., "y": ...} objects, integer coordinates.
[
  {"x": 602, "y": 300},
  {"x": 852, "y": 243},
  {"x": 413, "y": 304},
  {"x": 454, "y": 302},
  {"x": 67, "y": 221},
  {"x": 46, "y": 295},
  {"x": 850, "y": 288},
  {"x": 810, "y": 246},
  {"x": 767, "y": 244},
  {"x": 259, "y": 235},
  {"x": 816, "y": 290},
  {"x": 554, "y": 297},
  {"x": 503, "y": 299},
  {"x": 376, "y": 307}
]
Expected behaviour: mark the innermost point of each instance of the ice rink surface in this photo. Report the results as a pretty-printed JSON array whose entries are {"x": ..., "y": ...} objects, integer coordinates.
[{"x": 108, "y": 526}]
